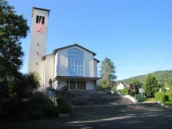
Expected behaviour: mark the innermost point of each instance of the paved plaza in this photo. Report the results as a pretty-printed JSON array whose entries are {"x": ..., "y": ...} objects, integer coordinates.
[{"x": 130, "y": 120}]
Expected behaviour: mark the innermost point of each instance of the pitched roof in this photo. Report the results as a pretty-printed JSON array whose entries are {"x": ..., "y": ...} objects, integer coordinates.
[
  {"x": 73, "y": 45},
  {"x": 96, "y": 60},
  {"x": 123, "y": 84}
]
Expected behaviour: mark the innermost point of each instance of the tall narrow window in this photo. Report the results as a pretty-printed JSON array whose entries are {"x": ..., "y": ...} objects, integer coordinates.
[
  {"x": 37, "y": 19},
  {"x": 75, "y": 62},
  {"x": 43, "y": 19}
]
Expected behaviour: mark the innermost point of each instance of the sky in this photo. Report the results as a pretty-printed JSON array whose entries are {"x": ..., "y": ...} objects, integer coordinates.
[{"x": 135, "y": 34}]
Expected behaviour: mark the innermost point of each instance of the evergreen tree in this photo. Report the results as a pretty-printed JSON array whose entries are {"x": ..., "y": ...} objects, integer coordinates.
[
  {"x": 107, "y": 73},
  {"x": 150, "y": 85}
]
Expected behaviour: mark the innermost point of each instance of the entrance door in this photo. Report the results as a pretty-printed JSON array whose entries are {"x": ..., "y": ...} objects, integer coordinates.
[
  {"x": 81, "y": 85},
  {"x": 72, "y": 85}
]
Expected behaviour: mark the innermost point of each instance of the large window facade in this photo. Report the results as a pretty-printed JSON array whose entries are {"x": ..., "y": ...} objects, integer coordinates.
[{"x": 75, "y": 62}]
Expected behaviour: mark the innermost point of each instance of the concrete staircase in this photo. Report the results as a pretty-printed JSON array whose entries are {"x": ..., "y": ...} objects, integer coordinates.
[
  {"x": 114, "y": 109},
  {"x": 88, "y": 98},
  {"x": 102, "y": 103}
]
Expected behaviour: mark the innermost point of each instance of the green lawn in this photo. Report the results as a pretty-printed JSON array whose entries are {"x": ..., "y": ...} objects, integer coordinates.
[
  {"x": 151, "y": 100},
  {"x": 145, "y": 99}
]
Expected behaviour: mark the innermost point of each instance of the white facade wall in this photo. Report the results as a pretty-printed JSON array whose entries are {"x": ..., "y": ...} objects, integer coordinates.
[
  {"x": 55, "y": 70},
  {"x": 49, "y": 69},
  {"x": 95, "y": 69},
  {"x": 120, "y": 86},
  {"x": 37, "y": 51},
  {"x": 55, "y": 64},
  {"x": 62, "y": 62},
  {"x": 89, "y": 64},
  {"x": 90, "y": 85}
]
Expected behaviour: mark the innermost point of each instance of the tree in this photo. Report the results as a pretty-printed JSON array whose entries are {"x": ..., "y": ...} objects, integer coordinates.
[
  {"x": 13, "y": 28},
  {"x": 107, "y": 73},
  {"x": 136, "y": 84},
  {"x": 150, "y": 85},
  {"x": 22, "y": 85}
]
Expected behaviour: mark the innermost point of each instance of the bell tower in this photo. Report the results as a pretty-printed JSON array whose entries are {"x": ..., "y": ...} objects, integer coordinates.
[{"x": 38, "y": 41}]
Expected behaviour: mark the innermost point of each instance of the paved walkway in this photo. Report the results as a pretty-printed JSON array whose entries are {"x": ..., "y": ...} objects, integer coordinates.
[{"x": 131, "y": 120}]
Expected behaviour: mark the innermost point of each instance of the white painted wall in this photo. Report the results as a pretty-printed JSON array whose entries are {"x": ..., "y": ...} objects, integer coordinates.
[
  {"x": 49, "y": 69},
  {"x": 120, "y": 86},
  {"x": 61, "y": 83},
  {"x": 90, "y": 85},
  {"x": 134, "y": 100},
  {"x": 41, "y": 39},
  {"x": 95, "y": 69},
  {"x": 55, "y": 64},
  {"x": 62, "y": 62},
  {"x": 89, "y": 64}
]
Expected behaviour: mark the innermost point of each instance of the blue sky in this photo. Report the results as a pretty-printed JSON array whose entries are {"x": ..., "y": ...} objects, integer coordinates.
[{"x": 135, "y": 34}]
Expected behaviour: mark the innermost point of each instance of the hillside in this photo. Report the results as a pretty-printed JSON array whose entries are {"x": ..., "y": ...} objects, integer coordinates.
[{"x": 162, "y": 77}]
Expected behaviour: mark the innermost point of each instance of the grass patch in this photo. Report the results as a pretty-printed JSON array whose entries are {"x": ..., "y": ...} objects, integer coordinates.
[{"x": 150, "y": 100}]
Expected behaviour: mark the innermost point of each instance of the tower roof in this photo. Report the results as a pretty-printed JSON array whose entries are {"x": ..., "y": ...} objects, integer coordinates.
[{"x": 40, "y": 9}]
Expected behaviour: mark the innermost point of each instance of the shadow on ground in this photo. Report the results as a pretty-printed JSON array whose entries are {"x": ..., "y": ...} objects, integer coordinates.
[{"x": 132, "y": 120}]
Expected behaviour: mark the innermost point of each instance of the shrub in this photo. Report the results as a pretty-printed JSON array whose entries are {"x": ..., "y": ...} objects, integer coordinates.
[
  {"x": 124, "y": 91},
  {"x": 169, "y": 94},
  {"x": 140, "y": 98},
  {"x": 40, "y": 102},
  {"x": 114, "y": 88},
  {"x": 49, "y": 110},
  {"x": 131, "y": 92},
  {"x": 39, "y": 97},
  {"x": 163, "y": 90},
  {"x": 159, "y": 96},
  {"x": 169, "y": 103},
  {"x": 36, "y": 115},
  {"x": 165, "y": 98},
  {"x": 60, "y": 101},
  {"x": 63, "y": 107},
  {"x": 100, "y": 88},
  {"x": 14, "y": 107}
]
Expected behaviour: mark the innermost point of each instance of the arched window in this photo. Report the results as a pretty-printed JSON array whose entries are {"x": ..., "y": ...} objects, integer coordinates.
[{"x": 75, "y": 62}]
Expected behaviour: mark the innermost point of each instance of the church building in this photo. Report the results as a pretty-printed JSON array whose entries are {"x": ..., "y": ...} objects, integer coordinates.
[{"x": 73, "y": 66}]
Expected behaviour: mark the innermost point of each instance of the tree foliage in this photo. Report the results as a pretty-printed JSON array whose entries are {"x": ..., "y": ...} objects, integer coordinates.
[
  {"x": 135, "y": 82},
  {"x": 22, "y": 86},
  {"x": 150, "y": 85},
  {"x": 137, "y": 85},
  {"x": 13, "y": 28},
  {"x": 107, "y": 73},
  {"x": 163, "y": 77}
]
